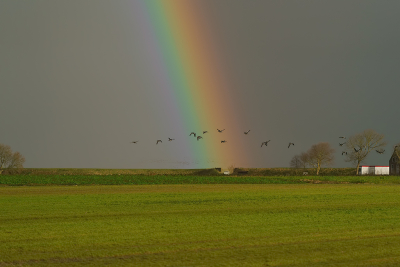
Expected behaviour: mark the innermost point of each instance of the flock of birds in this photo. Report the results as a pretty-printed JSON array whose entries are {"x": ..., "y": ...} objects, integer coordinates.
[
  {"x": 359, "y": 149},
  {"x": 265, "y": 143},
  {"x": 198, "y": 137}
]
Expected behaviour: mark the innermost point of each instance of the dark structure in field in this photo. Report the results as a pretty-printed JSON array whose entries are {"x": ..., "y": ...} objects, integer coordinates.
[{"x": 394, "y": 164}]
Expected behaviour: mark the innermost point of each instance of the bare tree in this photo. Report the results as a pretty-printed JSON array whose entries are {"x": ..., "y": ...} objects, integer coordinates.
[
  {"x": 299, "y": 161},
  {"x": 360, "y": 145},
  {"x": 304, "y": 159},
  {"x": 16, "y": 161},
  {"x": 320, "y": 154},
  {"x": 5, "y": 155},
  {"x": 295, "y": 162},
  {"x": 8, "y": 159}
]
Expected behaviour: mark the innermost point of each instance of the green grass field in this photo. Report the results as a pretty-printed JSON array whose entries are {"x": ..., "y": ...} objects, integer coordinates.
[
  {"x": 126, "y": 179},
  {"x": 201, "y": 225}
]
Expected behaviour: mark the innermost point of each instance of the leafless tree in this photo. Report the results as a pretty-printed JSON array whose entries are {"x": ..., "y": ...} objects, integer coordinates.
[
  {"x": 5, "y": 155},
  {"x": 305, "y": 159},
  {"x": 299, "y": 161},
  {"x": 8, "y": 159},
  {"x": 295, "y": 162},
  {"x": 319, "y": 155},
  {"x": 16, "y": 161},
  {"x": 360, "y": 145}
]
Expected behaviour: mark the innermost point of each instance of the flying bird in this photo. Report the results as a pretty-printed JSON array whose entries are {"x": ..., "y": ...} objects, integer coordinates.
[
  {"x": 158, "y": 141},
  {"x": 265, "y": 143},
  {"x": 220, "y": 131},
  {"x": 344, "y": 152},
  {"x": 170, "y": 139},
  {"x": 290, "y": 144},
  {"x": 342, "y": 137},
  {"x": 194, "y": 134},
  {"x": 341, "y": 144},
  {"x": 199, "y": 137},
  {"x": 134, "y": 142},
  {"x": 223, "y": 141},
  {"x": 357, "y": 150},
  {"x": 247, "y": 132},
  {"x": 380, "y": 151},
  {"x": 204, "y": 132}
]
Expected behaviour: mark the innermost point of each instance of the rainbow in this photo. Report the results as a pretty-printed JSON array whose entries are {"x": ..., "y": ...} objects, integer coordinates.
[{"x": 189, "y": 66}]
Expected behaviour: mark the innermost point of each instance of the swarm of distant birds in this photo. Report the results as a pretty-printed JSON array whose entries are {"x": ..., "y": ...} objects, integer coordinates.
[
  {"x": 265, "y": 143},
  {"x": 198, "y": 137}
]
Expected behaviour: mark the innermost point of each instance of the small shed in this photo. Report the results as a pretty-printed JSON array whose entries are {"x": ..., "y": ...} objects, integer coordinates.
[{"x": 373, "y": 170}]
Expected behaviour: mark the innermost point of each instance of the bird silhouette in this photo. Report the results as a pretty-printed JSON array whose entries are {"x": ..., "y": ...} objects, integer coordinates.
[
  {"x": 204, "y": 132},
  {"x": 194, "y": 134},
  {"x": 199, "y": 137},
  {"x": 290, "y": 144},
  {"x": 223, "y": 141},
  {"x": 220, "y": 131},
  {"x": 170, "y": 139},
  {"x": 341, "y": 144},
  {"x": 344, "y": 152},
  {"x": 357, "y": 150},
  {"x": 158, "y": 141},
  {"x": 342, "y": 137},
  {"x": 247, "y": 132},
  {"x": 380, "y": 151},
  {"x": 265, "y": 143},
  {"x": 134, "y": 142}
]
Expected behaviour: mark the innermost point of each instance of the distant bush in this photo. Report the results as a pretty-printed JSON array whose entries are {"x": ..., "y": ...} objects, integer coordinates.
[
  {"x": 190, "y": 172},
  {"x": 102, "y": 172},
  {"x": 293, "y": 171}
]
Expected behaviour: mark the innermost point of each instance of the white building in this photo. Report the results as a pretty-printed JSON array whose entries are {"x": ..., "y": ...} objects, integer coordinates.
[{"x": 373, "y": 170}]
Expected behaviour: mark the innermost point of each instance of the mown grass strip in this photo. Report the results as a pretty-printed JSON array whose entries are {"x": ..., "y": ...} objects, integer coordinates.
[{"x": 19, "y": 180}]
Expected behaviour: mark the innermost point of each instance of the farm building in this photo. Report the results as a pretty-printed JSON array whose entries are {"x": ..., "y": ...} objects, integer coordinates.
[
  {"x": 373, "y": 170},
  {"x": 394, "y": 164}
]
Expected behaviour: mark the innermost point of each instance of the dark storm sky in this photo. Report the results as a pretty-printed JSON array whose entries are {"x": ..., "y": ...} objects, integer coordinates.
[{"x": 303, "y": 71}]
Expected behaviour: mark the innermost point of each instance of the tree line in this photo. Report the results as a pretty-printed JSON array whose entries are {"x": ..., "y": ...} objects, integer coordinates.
[{"x": 356, "y": 149}]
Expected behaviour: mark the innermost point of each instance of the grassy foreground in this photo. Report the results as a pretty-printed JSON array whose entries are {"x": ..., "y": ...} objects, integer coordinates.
[{"x": 201, "y": 225}]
